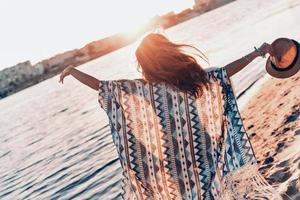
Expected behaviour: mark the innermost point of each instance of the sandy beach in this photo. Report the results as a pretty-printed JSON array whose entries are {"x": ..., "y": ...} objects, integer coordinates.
[
  {"x": 56, "y": 143},
  {"x": 272, "y": 121}
]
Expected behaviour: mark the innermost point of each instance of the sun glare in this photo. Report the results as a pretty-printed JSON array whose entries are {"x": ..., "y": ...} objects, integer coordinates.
[
  {"x": 134, "y": 18},
  {"x": 71, "y": 24},
  {"x": 134, "y": 25}
]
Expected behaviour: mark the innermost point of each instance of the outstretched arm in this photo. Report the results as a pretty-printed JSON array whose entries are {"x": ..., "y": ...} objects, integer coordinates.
[
  {"x": 239, "y": 64},
  {"x": 84, "y": 78}
]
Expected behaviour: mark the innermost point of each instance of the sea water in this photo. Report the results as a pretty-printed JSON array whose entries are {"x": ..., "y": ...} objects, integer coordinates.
[{"x": 55, "y": 141}]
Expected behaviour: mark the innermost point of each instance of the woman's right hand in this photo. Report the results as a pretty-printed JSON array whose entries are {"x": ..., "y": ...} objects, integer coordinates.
[{"x": 65, "y": 73}]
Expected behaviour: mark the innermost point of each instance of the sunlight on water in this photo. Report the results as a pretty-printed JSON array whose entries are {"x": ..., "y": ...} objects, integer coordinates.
[{"x": 55, "y": 141}]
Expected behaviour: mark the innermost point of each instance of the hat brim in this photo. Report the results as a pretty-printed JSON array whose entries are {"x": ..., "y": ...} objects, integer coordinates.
[{"x": 289, "y": 71}]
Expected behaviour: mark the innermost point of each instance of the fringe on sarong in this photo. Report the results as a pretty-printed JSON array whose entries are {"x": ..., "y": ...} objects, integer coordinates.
[{"x": 248, "y": 183}]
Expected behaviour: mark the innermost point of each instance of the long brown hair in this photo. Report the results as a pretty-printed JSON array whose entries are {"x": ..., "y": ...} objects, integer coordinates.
[{"x": 164, "y": 61}]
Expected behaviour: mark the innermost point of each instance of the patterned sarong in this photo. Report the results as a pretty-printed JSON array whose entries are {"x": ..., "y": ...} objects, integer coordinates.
[{"x": 172, "y": 145}]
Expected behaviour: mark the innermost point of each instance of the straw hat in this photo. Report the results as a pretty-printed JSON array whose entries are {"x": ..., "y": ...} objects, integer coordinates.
[{"x": 284, "y": 60}]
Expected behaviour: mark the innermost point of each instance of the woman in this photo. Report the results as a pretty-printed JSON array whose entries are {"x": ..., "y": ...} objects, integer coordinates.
[{"x": 177, "y": 130}]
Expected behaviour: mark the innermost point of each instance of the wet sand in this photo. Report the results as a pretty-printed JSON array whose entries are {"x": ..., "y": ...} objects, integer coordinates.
[
  {"x": 272, "y": 121},
  {"x": 55, "y": 141}
]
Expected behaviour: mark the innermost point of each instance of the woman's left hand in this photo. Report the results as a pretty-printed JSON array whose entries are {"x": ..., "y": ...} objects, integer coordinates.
[
  {"x": 265, "y": 48},
  {"x": 65, "y": 73}
]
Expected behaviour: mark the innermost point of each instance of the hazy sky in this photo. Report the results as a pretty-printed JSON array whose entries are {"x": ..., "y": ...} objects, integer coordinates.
[{"x": 37, "y": 29}]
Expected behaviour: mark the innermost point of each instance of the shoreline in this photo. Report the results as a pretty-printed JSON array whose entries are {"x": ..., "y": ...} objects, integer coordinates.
[{"x": 245, "y": 96}]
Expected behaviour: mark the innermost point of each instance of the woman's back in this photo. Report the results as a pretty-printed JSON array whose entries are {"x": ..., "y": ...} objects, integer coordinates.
[
  {"x": 172, "y": 145},
  {"x": 178, "y": 131}
]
